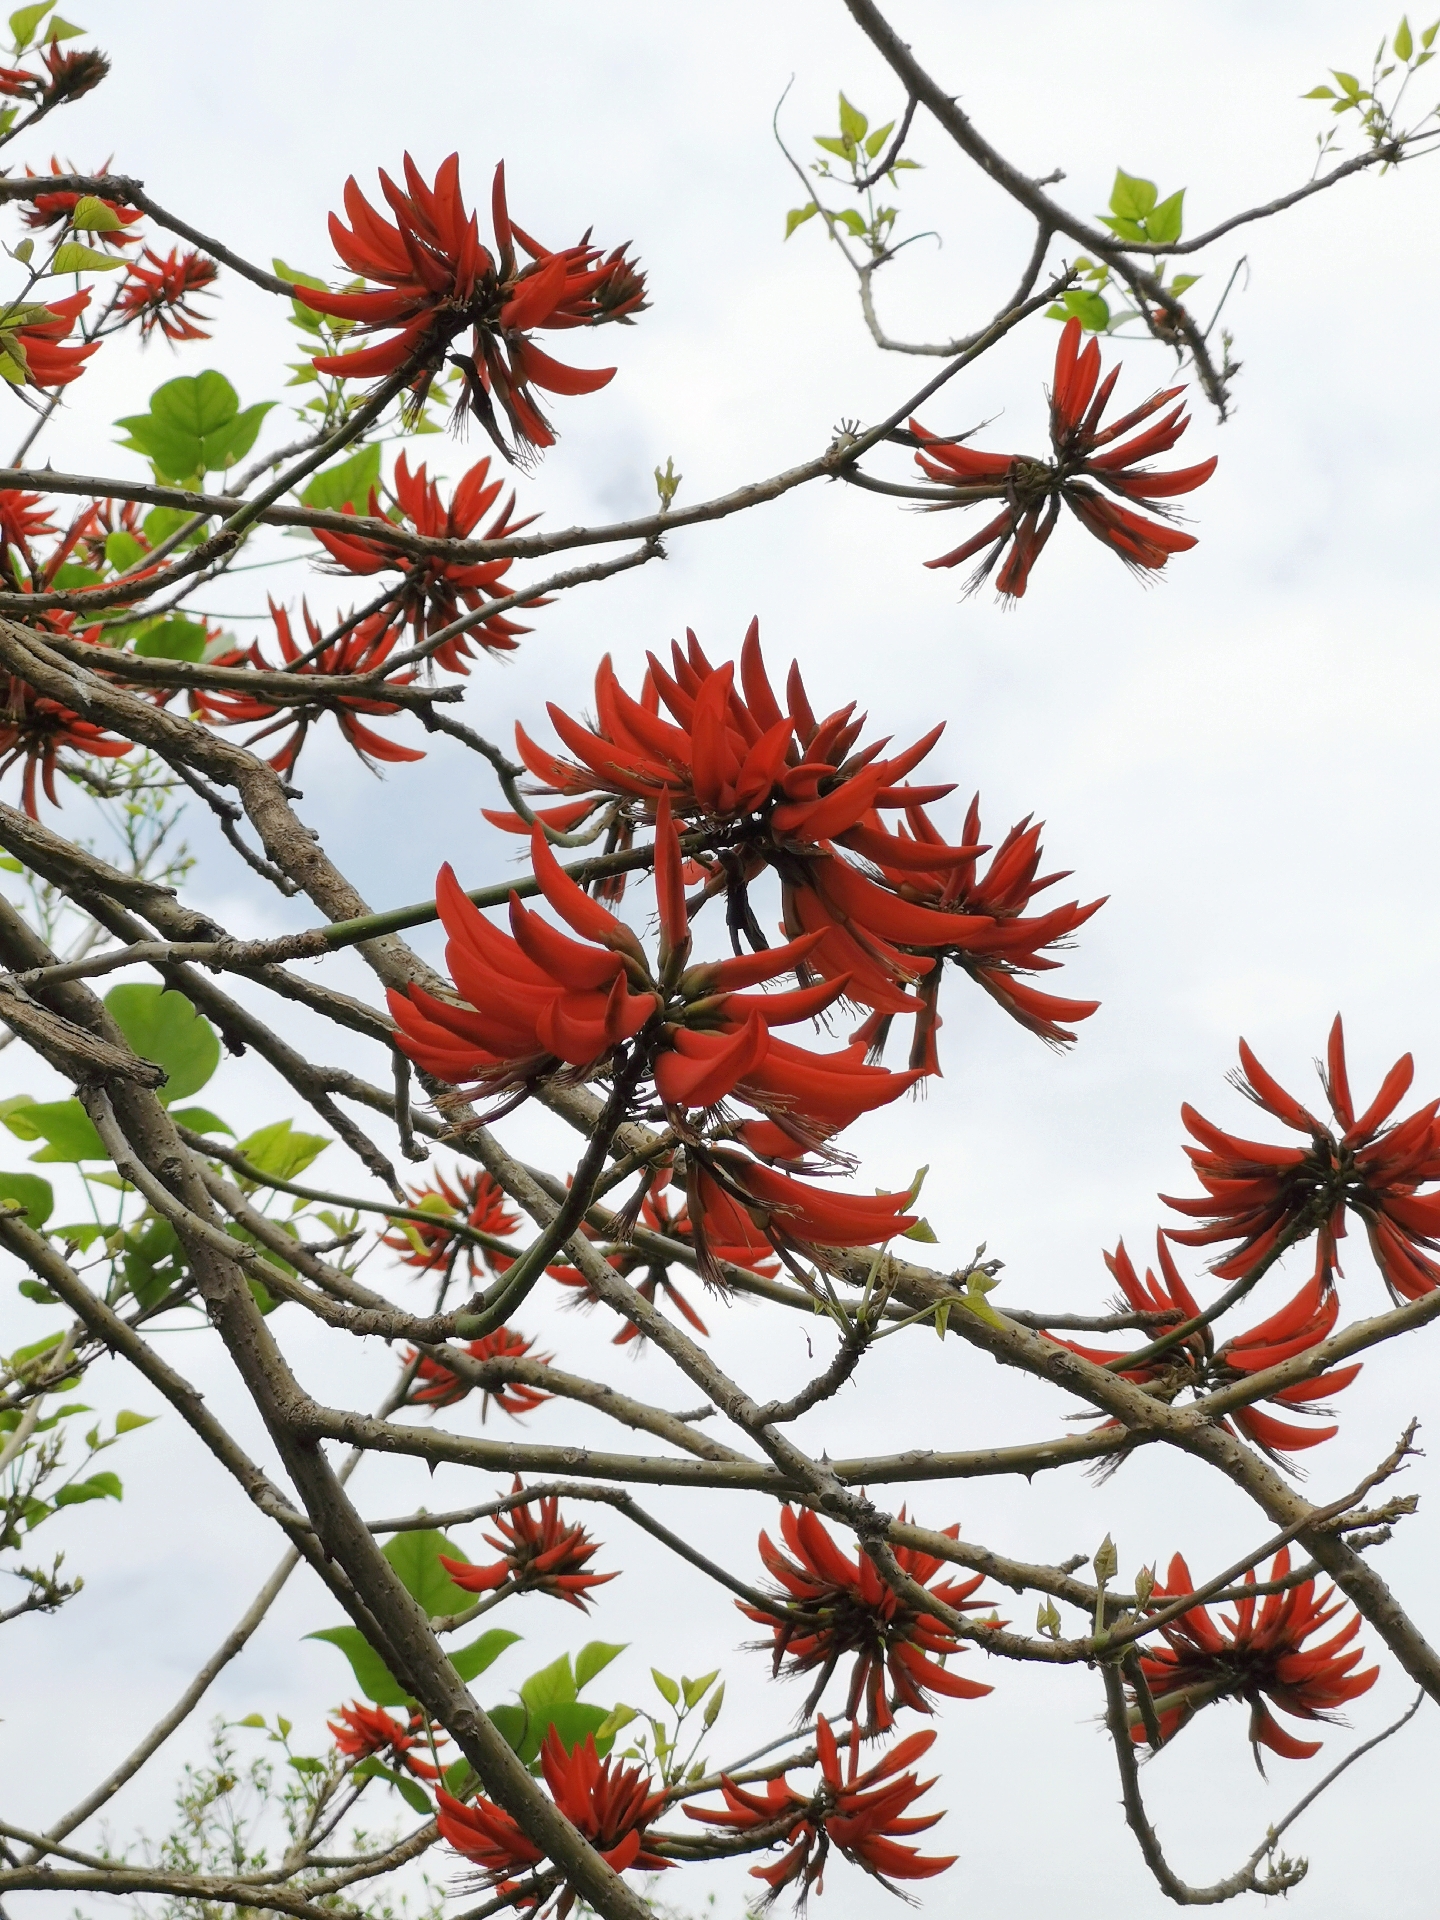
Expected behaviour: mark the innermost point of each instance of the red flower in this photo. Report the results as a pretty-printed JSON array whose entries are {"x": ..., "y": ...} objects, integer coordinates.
[
  {"x": 55, "y": 209},
  {"x": 1260, "y": 1195},
  {"x": 159, "y": 294},
  {"x": 69, "y": 74},
  {"x": 30, "y": 350},
  {"x": 861, "y": 1817},
  {"x": 1257, "y": 1656},
  {"x": 478, "y": 1200},
  {"x": 436, "y": 280},
  {"x": 24, "y": 517},
  {"x": 365, "y": 1730},
  {"x": 34, "y": 728},
  {"x": 1088, "y": 467},
  {"x": 829, "y": 1606},
  {"x": 435, "y": 1385},
  {"x": 541, "y": 1553},
  {"x": 610, "y": 1804},
  {"x": 366, "y": 647},
  {"x": 434, "y": 591},
  {"x": 793, "y": 1215}
]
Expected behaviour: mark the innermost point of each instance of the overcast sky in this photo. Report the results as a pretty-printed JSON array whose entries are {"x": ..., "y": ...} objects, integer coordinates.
[{"x": 1241, "y": 757}]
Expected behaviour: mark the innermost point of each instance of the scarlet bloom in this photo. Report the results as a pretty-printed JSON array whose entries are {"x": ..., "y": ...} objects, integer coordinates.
[
  {"x": 364, "y": 1730},
  {"x": 24, "y": 518},
  {"x": 477, "y": 1200},
  {"x": 1087, "y": 469},
  {"x": 34, "y": 728},
  {"x": 1193, "y": 1364},
  {"x": 55, "y": 209},
  {"x": 1257, "y": 1655},
  {"x": 1262, "y": 1195},
  {"x": 435, "y": 1385},
  {"x": 158, "y": 292},
  {"x": 30, "y": 351},
  {"x": 862, "y": 1814},
  {"x": 364, "y": 649},
  {"x": 610, "y": 1804},
  {"x": 541, "y": 1552},
  {"x": 830, "y": 1606},
  {"x": 435, "y": 280},
  {"x": 434, "y": 591}
]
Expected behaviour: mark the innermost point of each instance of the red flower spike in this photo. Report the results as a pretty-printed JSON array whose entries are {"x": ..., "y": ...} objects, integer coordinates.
[
  {"x": 34, "y": 729},
  {"x": 830, "y": 1605},
  {"x": 1258, "y": 1194},
  {"x": 434, "y": 280},
  {"x": 862, "y": 1818},
  {"x": 366, "y": 647},
  {"x": 541, "y": 1553},
  {"x": 1258, "y": 1655},
  {"x": 1080, "y": 475},
  {"x": 610, "y": 1804},
  {"x": 365, "y": 1730},
  {"x": 477, "y": 1200},
  {"x": 434, "y": 592},
  {"x": 157, "y": 293},
  {"x": 435, "y": 1386},
  {"x": 54, "y": 210},
  {"x": 30, "y": 348}
]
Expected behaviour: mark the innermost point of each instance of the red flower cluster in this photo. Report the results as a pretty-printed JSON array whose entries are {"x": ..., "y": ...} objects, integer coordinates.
[
  {"x": 829, "y": 1606},
  {"x": 363, "y": 1731},
  {"x": 541, "y": 1553},
  {"x": 435, "y": 1385},
  {"x": 434, "y": 591},
  {"x": 611, "y": 1805},
  {"x": 364, "y": 649},
  {"x": 54, "y": 210},
  {"x": 865, "y": 1819},
  {"x": 1088, "y": 467},
  {"x": 1258, "y": 1655},
  {"x": 478, "y": 1201},
  {"x": 34, "y": 728},
  {"x": 885, "y": 908},
  {"x": 1266, "y": 1197},
  {"x": 435, "y": 280},
  {"x": 158, "y": 291},
  {"x": 67, "y": 75},
  {"x": 30, "y": 351}
]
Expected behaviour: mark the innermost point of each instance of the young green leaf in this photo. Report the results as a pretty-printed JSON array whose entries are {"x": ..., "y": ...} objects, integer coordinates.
[
  {"x": 163, "y": 1026},
  {"x": 669, "y": 1690},
  {"x": 73, "y": 257},
  {"x": 593, "y": 1658},
  {"x": 1131, "y": 197},
  {"x": 24, "y": 21},
  {"x": 280, "y": 1150},
  {"x": 1164, "y": 223},
  {"x": 797, "y": 216},
  {"x": 415, "y": 1556},
  {"x": 853, "y": 123},
  {"x": 35, "y": 1197},
  {"x": 92, "y": 215},
  {"x": 66, "y": 1130}
]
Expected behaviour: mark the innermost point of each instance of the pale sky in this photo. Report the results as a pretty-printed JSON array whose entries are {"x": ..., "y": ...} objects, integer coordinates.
[{"x": 1241, "y": 756}]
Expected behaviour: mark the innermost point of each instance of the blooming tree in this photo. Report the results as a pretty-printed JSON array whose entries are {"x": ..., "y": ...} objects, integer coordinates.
[{"x": 728, "y": 941}]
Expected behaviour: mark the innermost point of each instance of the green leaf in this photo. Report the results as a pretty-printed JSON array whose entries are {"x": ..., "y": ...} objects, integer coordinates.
[
  {"x": 922, "y": 1230},
  {"x": 1088, "y": 308},
  {"x": 552, "y": 1686},
  {"x": 1404, "y": 42},
  {"x": 12, "y": 1112},
  {"x": 65, "y": 1128},
  {"x": 194, "y": 426},
  {"x": 1427, "y": 37},
  {"x": 469, "y": 1662},
  {"x": 201, "y": 1120},
  {"x": 1319, "y": 93},
  {"x": 797, "y": 216},
  {"x": 123, "y": 550},
  {"x": 1182, "y": 282},
  {"x": 831, "y": 145},
  {"x": 59, "y": 29},
  {"x": 512, "y": 1723},
  {"x": 459, "y": 1777},
  {"x": 415, "y": 1556},
  {"x": 593, "y": 1658},
  {"x": 306, "y": 1763},
  {"x": 196, "y": 404},
  {"x": 153, "y": 1263},
  {"x": 37, "y": 1290},
  {"x": 696, "y": 1690},
  {"x": 853, "y": 222},
  {"x": 1125, "y": 228},
  {"x": 161, "y": 522},
  {"x": 346, "y": 484},
  {"x": 669, "y": 1690},
  {"x": 83, "y": 1234},
  {"x": 1131, "y": 197},
  {"x": 1349, "y": 85},
  {"x": 372, "y": 1676},
  {"x": 24, "y": 22},
  {"x": 72, "y": 257},
  {"x": 877, "y": 140},
  {"x": 574, "y": 1721},
  {"x": 852, "y": 122},
  {"x": 127, "y": 1422},
  {"x": 163, "y": 1026},
  {"x": 280, "y": 1150},
  {"x": 35, "y": 1195},
  {"x": 100, "y": 1486},
  {"x": 250, "y": 1720},
  {"x": 224, "y": 449},
  {"x": 91, "y": 215},
  {"x": 1164, "y": 223},
  {"x": 294, "y": 275},
  {"x": 172, "y": 639}
]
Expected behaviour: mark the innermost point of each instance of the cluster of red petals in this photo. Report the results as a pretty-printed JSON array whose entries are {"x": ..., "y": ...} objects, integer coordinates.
[
  {"x": 37, "y": 341},
  {"x": 55, "y": 209},
  {"x": 885, "y": 907},
  {"x": 435, "y": 1385},
  {"x": 609, "y": 1804},
  {"x": 1089, "y": 468},
  {"x": 540, "y": 1551},
  {"x": 67, "y": 74},
  {"x": 864, "y": 1815},
  {"x": 831, "y": 1605},
  {"x": 364, "y": 649},
  {"x": 24, "y": 518},
  {"x": 363, "y": 1730},
  {"x": 1257, "y": 1655},
  {"x": 34, "y": 729},
  {"x": 434, "y": 591},
  {"x": 1194, "y": 1363},
  {"x": 158, "y": 291},
  {"x": 1265, "y": 1196},
  {"x": 475, "y": 1200},
  {"x": 434, "y": 280}
]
